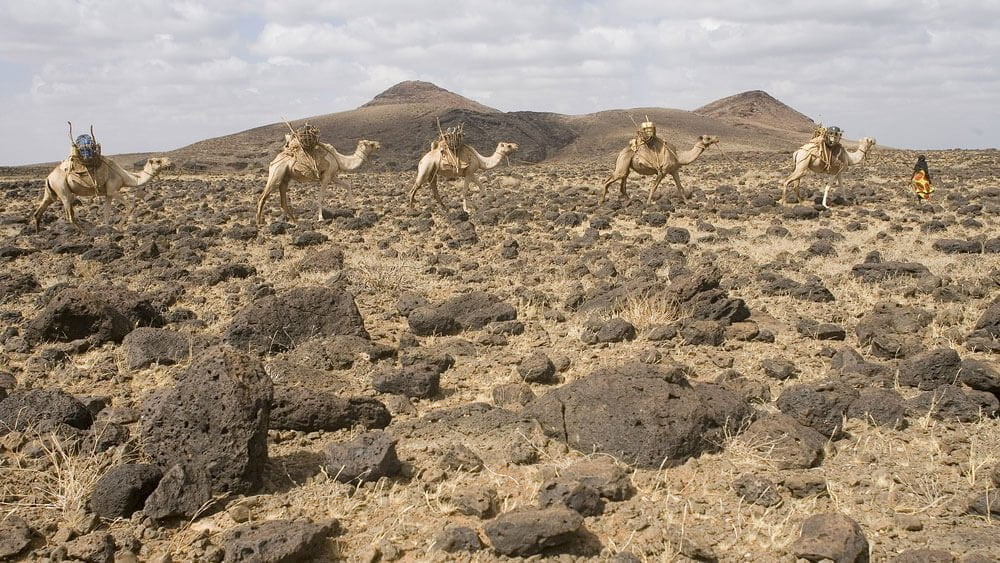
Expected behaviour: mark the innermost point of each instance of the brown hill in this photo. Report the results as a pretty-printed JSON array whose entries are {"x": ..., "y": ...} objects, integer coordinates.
[
  {"x": 758, "y": 109},
  {"x": 405, "y": 118}
]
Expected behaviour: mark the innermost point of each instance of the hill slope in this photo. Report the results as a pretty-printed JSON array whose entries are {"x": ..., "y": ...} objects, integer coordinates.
[{"x": 404, "y": 118}]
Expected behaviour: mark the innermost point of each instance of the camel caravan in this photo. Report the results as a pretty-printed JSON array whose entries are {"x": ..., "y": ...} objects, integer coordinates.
[{"x": 305, "y": 158}]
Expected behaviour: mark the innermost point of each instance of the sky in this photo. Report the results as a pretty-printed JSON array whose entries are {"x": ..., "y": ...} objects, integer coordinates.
[{"x": 155, "y": 76}]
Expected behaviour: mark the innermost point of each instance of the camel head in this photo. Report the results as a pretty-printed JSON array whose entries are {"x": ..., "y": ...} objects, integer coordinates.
[
  {"x": 507, "y": 148},
  {"x": 707, "y": 140},
  {"x": 155, "y": 165},
  {"x": 367, "y": 147}
]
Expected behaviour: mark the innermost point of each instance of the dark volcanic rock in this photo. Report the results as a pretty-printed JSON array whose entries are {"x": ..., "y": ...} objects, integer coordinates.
[
  {"x": 145, "y": 346},
  {"x": 470, "y": 311},
  {"x": 528, "y": 532},
  {"x": 611, "y": 481},
  {"x": 757, "y": 490},
  {"x": 988, "y": 325},
  {"x": 981, "y": 376},
  {"x": 215, "y": 418},
  {"x": 95, "y": 547},
  {"x": 26, "y": 408},
  {"x": 924, "y": 555},
  {"x": 881, "y": 271},
  {"x": 818, "y": 406},
  {"x": 276, "y": 541},
  {"x": 929, "y": 370},
  {"x": 457, "y": 538},
  {"x": 951, "y": 402},
  {"x": 645, "y": 415},
  {"x": 294, "y": 408},
  {"x": 124, "y": 489},
  {"x": 15, "y": 284},
  {"x": 419, "y": 380},
  {"x": 15, "y": 536},
  {"x": 612, "y": 330},
  {"x": 537, "y": 368},
  {"x": 883, "y": 407},
  {"x": 182, "y": 492},
  {"x": 831, "y": 536},
  {"x": 571, "y": 494},
  {"x": 785, "y": 442},
  {"x": 280, "y": 322},
  {"x": 368, "y": 457},
  {"x": 77, "y": 313},
  {"x": 893, "y": 331},
  {"x": 956, "y": 246}
]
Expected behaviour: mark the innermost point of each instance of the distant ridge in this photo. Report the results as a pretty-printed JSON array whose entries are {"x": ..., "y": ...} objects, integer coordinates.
[
  {"x": 758, "y": 108},
  {"x": 404, "y": 119},
  {"x": 419, "y": 92}
]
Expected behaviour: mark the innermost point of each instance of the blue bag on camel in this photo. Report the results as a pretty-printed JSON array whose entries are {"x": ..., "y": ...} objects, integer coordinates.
[{"x": 89, "y": 149}]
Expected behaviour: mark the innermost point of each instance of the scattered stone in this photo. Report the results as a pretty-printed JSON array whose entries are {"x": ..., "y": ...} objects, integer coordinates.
[
  {"x": 571, "y": 494},
  {"x": 216, "y": 417},
  {"x": 454, "y": 539},
  {"x": 15, "y": 536},
  {"x": 819, "y": 406},
  {"x": 610, "y": 480},
  {"x": 470, "y": 311},
  {"x": 512, "y": 395},
  {"x": 309, "y": 238},
  {"x": 757, "y": 490},
  {"x": 986, "y": 504},
  {"x": 831, "y": 536},
  {"x": 952, "y": 402},
  {"x": 459, "y": 457},
  {"x": 803, "y": 485},
  {"x": 528, "y": 532},
  {"x": 882, "y": 271},
  {"x": 279, "y": 322},
  {"x": 368, "y": 457},
  {"x": 537, "y": 368},
  {"x": 702, "y": 333},
  {"x": 883, "y": 407},
  {"x": 779, "y": 368},
  {"x": 981, "y": 376},
  {"x": 929, "y": 370},
  {"x": 124, "y": 489},
  {"x": 645, "y": 415},
  {"x": 893, "y": 331},
  {"x": 956, "y": 246},
  {"x": 820, "y": 331},
  {"x": 182, "y": 492},
  {"x": 612, "y": 330},
  {"x": 95, "y": 547},
  {"x": 784, "y": 442},
  {"x": 924, "y": 555},
  {"x": 480, "y": 502},
  {"x": 23, "y": 409},
  {"x": 420, "y": 380},
  {"x": 295, "y": 408},
  {"x": 276, "y": 540},
  {"x": 326, "y": 260},
  {"x": 145, "y": 346}
]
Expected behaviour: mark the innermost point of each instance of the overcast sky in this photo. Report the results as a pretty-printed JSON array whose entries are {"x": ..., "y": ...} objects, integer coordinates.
[{"x": 154, "y": 75}]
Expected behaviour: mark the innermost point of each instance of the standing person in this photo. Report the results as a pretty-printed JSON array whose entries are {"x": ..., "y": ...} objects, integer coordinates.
[{"x": 922, "y": 179}]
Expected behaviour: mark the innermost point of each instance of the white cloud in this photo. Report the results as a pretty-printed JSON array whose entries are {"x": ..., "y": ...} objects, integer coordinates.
[{"x": 159, "y": 75}]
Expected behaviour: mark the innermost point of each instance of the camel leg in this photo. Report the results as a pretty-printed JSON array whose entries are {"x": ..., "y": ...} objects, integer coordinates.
[
  {"x": 272, "y": 181},
  {"x": 348, "y": 189},
  {"x": 437, "y": 195},
  {"x": 320, "y": 198},
  {"x": 285, "y": 206},
  {"x": 48, "y": 196},
  {"x": 473, "y": 180},
  {"x": 677, "y": 182},
  {"x": 413, "y": 191},
  {"x": 656, "y": 184}
]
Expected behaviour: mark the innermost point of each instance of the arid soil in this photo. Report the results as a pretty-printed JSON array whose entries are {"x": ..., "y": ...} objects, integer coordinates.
[{"x": 538, "y": 242}]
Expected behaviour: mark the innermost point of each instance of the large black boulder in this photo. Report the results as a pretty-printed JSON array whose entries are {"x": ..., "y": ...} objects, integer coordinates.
[
  {"x": 215, "y": 418},
  {"x": 647, "y": 416}
]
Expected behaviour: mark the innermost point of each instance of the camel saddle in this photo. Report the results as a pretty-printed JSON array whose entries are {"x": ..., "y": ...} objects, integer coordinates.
[
  {"x": 83, "y": 172},
  {"x": 453, "y": 160},
  {"x": 647, "y": 151},
  {"x": 304, "y": 160},
  {"x": 826, "y": 154}
]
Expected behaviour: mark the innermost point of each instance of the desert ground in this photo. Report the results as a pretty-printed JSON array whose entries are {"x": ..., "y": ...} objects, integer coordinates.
[{"x": 863, "y": 328}]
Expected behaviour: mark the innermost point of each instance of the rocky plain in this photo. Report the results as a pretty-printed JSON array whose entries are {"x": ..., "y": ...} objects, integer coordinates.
[{"x": 717, "y": 378}]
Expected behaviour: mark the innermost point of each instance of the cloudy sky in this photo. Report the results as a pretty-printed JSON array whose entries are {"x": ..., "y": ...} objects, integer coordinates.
[{"x": 157, "y": 75}]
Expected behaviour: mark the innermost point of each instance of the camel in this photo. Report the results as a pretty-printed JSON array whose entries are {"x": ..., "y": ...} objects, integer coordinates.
[
  {"x": 669, "y": 161},
  {"x": 806, "y": 160},
  {"x": 429, "y": 169},
  {"x": 109, "y": 177},
  {"x": 329, "y": 163}
]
